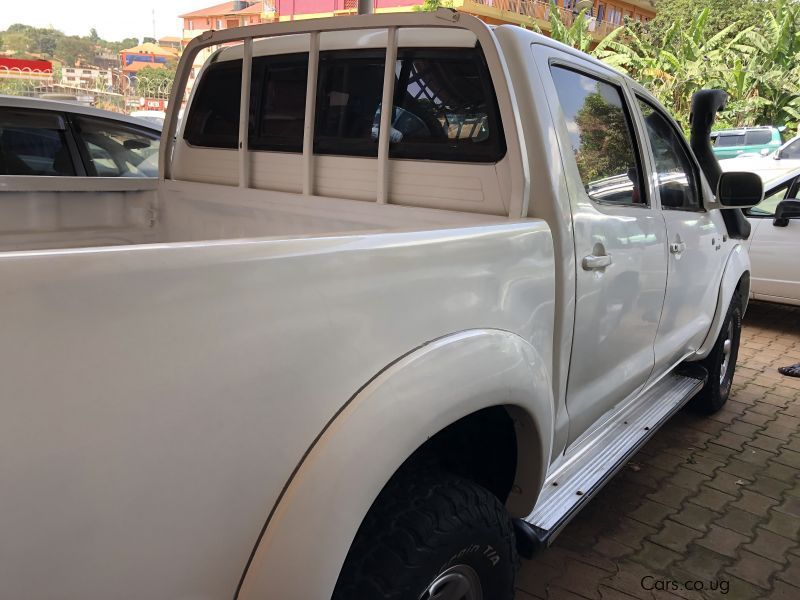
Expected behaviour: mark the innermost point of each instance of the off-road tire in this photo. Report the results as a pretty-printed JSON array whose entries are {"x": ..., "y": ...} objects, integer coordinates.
[
  {"x": 421, "y": 525},
  {"x": 720, "y": 371}
]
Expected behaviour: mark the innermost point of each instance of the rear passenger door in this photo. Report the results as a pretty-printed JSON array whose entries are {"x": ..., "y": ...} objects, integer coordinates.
[
  {"x": 696, "y": 240},
  {"x": 619, "y": 241}
]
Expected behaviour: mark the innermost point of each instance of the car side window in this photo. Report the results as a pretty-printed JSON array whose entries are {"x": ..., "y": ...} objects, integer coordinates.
[
  {"x": 33, "y": 143},
  {"x": 602, "y": 138},
  {"x": 116, "y": 150},
  {"x": 676, "y": 176},
  {"x": 792, "y": 151},
  {"x": 758, "y": 137},
  {"x": 766, "y": 208}
]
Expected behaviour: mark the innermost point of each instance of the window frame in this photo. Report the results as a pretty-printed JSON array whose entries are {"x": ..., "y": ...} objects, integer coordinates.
[
  {"x": 695, "y": 167},
  {"x": 638, "y": 148}
]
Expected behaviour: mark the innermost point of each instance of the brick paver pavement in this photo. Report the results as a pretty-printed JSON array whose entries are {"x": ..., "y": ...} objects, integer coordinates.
[{"x": 713, "y": 500}]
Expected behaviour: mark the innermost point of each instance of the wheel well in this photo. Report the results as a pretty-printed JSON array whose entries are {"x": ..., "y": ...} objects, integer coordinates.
[{"x": 481, "y": 446}]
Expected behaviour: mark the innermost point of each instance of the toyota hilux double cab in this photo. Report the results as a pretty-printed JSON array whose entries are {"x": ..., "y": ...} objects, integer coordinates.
[{"x": 343, "y": 351}]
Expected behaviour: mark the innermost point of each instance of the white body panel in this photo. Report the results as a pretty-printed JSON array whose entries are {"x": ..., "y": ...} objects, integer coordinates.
[
  {"x": 231, "y": 364},
  {"x": 775, "y": 254},
  {"x": 182, "y": 384}
]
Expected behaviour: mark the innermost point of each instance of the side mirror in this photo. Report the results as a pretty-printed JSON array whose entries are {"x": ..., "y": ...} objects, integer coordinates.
[
  {"x": 739, "y": 189},
  {"x": 764, "y": 152},
  {"x": 786, "y": 209}
]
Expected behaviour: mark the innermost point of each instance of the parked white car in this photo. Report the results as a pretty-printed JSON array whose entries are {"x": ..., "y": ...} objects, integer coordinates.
[
  {"x": 306, "y": 363},
  {"x": 782, "y": 161},
  {"x": 60, "y": 139},
  {"x": 774, "y": 242}
]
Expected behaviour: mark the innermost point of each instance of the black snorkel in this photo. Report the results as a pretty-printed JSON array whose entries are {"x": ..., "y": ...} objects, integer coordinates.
[{"x": 705, "y": 106}]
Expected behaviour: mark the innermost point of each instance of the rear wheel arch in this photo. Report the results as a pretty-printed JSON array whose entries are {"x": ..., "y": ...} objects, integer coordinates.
[{"x": 404, "y": 413}]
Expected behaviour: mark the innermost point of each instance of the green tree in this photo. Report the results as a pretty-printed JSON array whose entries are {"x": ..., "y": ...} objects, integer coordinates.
[
  {"x": 150, "y": 40},
  {"x": 93, "y": 35},
  {"x": 70, "y": 49},
  {"x": 155, "y": 82}
]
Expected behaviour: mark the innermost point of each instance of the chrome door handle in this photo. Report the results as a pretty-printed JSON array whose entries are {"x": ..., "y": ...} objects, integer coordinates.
[
  {"x": 593, "y": 262},
  {"x": 677, "y": 247}
]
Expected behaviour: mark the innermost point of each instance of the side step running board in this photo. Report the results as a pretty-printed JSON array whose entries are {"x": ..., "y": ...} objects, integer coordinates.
[{"x": 589, "y": 467}]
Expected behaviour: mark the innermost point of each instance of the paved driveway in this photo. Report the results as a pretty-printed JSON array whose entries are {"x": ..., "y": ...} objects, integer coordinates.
[{"x": 710, "y": 503}]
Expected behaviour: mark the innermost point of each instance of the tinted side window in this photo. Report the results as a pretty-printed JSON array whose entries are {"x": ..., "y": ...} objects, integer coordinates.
[
  {"x": 279, "y": 99},
  {"x": 726, "y": 141},
  {"x": 444, "y": 108},
  {"x": 792, "y": 150},
  {"x": 677, "y": 182},
  {"x": 757, "y": 137},
  {"x": 350, "y": 86},
  {"x": 33, "y": 143},
  {"x": 214, "y": 116},
  {"x": 601, "y": 136},
  {"x": 117, "y": 150}
]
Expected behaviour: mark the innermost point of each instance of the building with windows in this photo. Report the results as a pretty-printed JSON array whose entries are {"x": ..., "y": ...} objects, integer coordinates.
[
  {"x": 86, "y": 77},
  {"x": 603, "y": 15}
]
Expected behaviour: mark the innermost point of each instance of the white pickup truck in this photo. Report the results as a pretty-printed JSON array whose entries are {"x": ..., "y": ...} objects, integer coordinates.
[{"x": 342, "y": 352}]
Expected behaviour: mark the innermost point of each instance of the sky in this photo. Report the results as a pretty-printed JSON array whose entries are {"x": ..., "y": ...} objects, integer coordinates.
[{"x": 114, "y": 20}]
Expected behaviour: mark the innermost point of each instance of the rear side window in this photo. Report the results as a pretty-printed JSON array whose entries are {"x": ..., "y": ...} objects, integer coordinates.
[
  {"x": 601, "y": 136},
  {"x": 214, "y": 117},
  {"x": 33, "y": 143},
  {"x": 728, "y": 140},
  {"x": 444, "y": 105},
  {"x": 758, "y": 137},
  {"x": 113, "y": 149}
]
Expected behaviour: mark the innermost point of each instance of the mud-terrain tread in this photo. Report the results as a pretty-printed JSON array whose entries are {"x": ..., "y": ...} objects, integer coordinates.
[{"x": 399, "y": 534}]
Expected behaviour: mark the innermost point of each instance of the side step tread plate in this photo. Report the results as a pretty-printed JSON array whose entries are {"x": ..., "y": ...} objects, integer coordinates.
[{"x": 603, "y": 454}]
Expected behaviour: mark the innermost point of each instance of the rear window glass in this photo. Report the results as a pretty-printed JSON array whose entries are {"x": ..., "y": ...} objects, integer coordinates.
[
  {"x": 349, "y": 89},
  {"x": 724, "y": 141},
  {"x": 444, "y": 105},
  {"x": 33, "y": 143},
  {"x": 278, "y": 102},
  {"x": 214, "y": 117},
  {"x": 760, "y": 136},
  {"x": 444, "y": 108}
]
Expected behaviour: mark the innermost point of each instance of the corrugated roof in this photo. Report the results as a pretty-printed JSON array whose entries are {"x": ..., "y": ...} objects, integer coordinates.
[{"x": 151, "y": 48}]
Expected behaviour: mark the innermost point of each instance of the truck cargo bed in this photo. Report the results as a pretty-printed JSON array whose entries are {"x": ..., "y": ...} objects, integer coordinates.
[{"x": 118, "y": 213}]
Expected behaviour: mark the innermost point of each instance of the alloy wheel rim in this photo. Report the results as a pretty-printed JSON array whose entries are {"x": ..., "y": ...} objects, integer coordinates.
[
  {"x": 726, "y": 354},
  {"x": 459, "y": 582}
]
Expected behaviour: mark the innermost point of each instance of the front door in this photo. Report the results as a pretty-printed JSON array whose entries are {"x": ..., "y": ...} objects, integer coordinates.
[
  {"x": 697, "y": 240},
  {"x": 619, "y": 241}
]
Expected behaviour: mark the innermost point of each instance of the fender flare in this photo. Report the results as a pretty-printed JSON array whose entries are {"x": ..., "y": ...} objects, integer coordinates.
[
  {"x": 316, "y": 518},
  {"x": 737, "y": 269}
]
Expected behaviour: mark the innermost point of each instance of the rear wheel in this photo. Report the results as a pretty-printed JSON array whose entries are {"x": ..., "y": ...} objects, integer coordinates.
[
  {"x": 431, "y": 536},
  {"x": 721, "y": 362}
]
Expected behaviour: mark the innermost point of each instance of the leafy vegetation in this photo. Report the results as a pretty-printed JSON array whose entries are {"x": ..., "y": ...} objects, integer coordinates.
[
  {"x": 749, "y": 49},
  {"x": 25, "y": 41}
]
